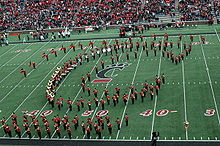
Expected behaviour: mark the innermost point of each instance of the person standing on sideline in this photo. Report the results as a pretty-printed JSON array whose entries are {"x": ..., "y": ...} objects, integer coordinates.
[{"x": 154, "y": 138}]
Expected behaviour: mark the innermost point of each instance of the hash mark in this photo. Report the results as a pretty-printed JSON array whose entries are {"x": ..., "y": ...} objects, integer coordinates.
[
  {"x": 216, "y": 138},
  {"x": 201, "y": 138},
  {"x": 194, "y": 138}
]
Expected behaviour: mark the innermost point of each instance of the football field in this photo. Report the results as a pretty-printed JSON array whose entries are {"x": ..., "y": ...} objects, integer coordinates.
[{"x": 191, "y": 91}]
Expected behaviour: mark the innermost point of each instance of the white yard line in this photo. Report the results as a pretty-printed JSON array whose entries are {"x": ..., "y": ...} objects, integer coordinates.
[
  {"x": 9, "y": 60},
  {"x": 184, "y": 92},
  {"x": 155, "y": 103},
  {"x": 16, "y": 69},
  {"x": 210, "y": 81},
  {"x": 81, "y": 88},
  {"x": 19, "y": 83},
  {"x": 8, "y": 50},
  {"x": 39, "y": 84},
  {"x": 103, "y": 92},
  {"x": 123, "y": 114},
  {"x": 102, "y": 95},
  {"x": 47, "y": 101}
]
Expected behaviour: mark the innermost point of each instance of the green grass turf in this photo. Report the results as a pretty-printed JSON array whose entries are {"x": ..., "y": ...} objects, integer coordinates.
[{"x": 21, "y": 94}]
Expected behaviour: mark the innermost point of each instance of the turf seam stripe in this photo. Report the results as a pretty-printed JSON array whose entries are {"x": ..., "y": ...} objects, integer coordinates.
[
  {"x": 184, "y": 92},
  {"x": 210, "y": 80},
  {"x": 134, "y": 76},
  {"x": 42, "y": 81},
  {"x": 155, "y": 104}
]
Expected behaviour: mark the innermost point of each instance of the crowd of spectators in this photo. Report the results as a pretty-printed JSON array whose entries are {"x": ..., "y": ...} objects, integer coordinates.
[
  {"x": 41, "y": 14},
  {"x": 16, "y": 15},
  {"x": 191, "y": 10},
  {"x": 216, "y": 4}
]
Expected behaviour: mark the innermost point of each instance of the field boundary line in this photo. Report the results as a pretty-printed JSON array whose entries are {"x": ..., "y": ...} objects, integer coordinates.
[
  {"x": 134, "y": 76},
  {"x": 108, "y": 38},
  {"x": 53, "y": 139},
  {"x": 184, "y": 91},
  {"x": 210, "y": 80}
]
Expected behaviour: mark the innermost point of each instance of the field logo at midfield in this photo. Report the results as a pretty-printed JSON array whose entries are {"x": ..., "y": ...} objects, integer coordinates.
[{"x": 102, "y": 78}]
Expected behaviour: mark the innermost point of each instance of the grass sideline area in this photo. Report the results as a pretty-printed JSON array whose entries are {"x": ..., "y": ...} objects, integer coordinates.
[
  {"x": 191, "y": 86},
  {"x": 112, "y": 33}
]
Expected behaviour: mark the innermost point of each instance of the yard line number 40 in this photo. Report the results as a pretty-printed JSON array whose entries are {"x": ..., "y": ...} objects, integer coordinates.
[{"x": 149, "y": 112}]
